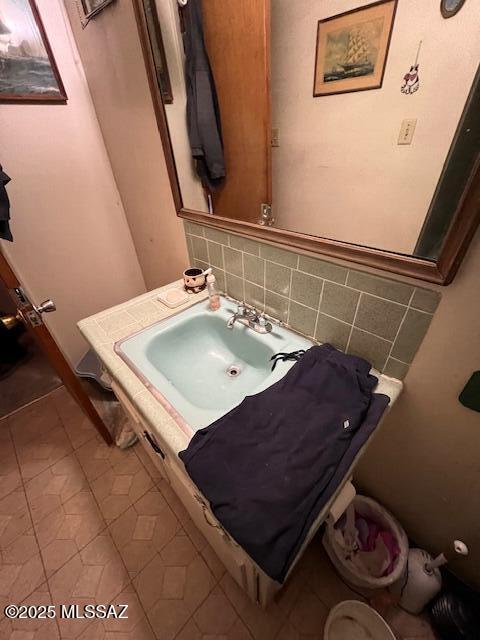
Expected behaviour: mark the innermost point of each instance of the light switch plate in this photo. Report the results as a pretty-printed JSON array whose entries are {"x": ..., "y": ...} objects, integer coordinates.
[{"x": 407, "y": 130}]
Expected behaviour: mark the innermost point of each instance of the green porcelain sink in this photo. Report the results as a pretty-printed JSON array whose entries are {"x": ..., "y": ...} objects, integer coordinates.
[{"x": 198, "y": 368}]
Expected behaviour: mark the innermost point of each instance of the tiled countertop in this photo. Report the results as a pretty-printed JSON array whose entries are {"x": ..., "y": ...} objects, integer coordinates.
[{"x": 103, "y": 329}]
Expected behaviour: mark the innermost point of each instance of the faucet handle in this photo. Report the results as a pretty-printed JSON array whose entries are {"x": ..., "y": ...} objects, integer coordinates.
[{"x": 262, "y": 321}]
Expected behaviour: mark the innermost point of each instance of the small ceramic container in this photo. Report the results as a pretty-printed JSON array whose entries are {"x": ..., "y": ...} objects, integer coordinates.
[{"x": 194, "y": 280}]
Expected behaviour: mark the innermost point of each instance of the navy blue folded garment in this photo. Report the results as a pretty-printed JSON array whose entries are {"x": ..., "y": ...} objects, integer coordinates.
[{"x": 270, "y": 465}]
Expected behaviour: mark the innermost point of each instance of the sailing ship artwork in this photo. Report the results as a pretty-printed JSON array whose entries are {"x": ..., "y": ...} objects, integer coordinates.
[
  {"x": 352, "y": 52},
  {"x": 27, "y": 68},
  {"x": 352, "y": 49}
]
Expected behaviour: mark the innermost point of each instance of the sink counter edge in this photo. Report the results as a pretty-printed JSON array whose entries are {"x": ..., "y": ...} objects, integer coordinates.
[{"x": 102, "y": 330}]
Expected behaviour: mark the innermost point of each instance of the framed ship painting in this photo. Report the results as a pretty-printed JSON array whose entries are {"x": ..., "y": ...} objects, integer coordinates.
[
  {"x": 352, "y": 49},
  {"x": 28, "y": 72}
]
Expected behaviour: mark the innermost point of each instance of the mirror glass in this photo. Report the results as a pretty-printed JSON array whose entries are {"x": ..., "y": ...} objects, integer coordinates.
[{"x": 355, "y": 122}]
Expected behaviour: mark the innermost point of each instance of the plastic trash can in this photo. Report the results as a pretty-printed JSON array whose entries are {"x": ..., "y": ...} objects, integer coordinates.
[{"x": 351, "y": 573}]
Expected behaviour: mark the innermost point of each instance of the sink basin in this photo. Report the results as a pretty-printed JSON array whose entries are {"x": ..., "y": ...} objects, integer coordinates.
[{"x": 199, "y": 369}]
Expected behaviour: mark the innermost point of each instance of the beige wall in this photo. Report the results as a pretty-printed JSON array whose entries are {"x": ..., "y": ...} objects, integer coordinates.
[
  {"x": 339, "y": 171},
  {"x": 72, "y": 241},
  {"x": 112, "y": 58},
  {"x": 425, "y": 462}
]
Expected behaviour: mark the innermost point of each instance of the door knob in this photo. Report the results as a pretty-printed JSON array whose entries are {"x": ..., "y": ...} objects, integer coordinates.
[{"x": 47, "y": 306}]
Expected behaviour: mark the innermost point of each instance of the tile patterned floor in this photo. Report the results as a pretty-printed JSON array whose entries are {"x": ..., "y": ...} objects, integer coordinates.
[{"x": 84, "y": 523}]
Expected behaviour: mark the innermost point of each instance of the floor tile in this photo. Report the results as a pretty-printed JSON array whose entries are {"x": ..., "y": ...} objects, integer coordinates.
[
  {"x": 180, "y": 588},
  {"x": 308, "y": 614},
  {"x": 32, "y": 629},
  {"x": 34, "y": 420},
  {"x": 288, "y": 632},
  {"x": 21, "y": 569},
  {"x": 95, "y": 575},
  {"x": 121, "y": 486},
  {"x": 78, "y": 427},
  {"x": 96, "y": 457},
  {"x": 172, "y": 586},
  {"x": 191, "y": 631},
  {"x": 136, "y": 627},
  {"x": 55, "y": 486},
  {"x": 263, "y": 624},
  {"x": 144, "y": 529},
  {"x": 297, "y": 579},
  {"x": 175, "y": 503},
  {"x": 213, "y": 562},
  {"x": 10, "y": 477},
  {"x": 195, "y": 535},
  {"x": 407, "y": 625},
  {"x": 215, "y": 616},
  {"x": 14, "y": 517},
  {"x": 40, "y": 453},
  {"x": 68, "y": 529}
]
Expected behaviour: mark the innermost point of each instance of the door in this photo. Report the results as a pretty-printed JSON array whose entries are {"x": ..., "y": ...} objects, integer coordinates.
[
  {"x": 32, "y": 317},
  {"x": 237, "y": 37}
]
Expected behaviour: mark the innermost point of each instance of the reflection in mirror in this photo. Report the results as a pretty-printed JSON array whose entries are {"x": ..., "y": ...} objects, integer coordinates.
[
  {"x": 158, "y": 51},
  {"x": 355, "y": 125},
  {"x": 362, "y": 167}
]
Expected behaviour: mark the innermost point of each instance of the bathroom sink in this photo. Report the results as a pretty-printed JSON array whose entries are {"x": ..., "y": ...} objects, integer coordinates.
[{"x": 199, "y": 369}]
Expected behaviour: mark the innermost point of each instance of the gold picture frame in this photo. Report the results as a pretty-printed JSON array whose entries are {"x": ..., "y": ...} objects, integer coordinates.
[{"x": 352, "y": 49}]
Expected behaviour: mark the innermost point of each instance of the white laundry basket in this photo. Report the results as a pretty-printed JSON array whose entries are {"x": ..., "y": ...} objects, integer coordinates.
[{"x": 350, "y": 573}]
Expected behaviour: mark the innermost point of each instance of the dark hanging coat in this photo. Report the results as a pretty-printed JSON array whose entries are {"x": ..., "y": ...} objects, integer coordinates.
[
  {"x": 5, "y": 233},
  {"x": 203, "y": 113}
]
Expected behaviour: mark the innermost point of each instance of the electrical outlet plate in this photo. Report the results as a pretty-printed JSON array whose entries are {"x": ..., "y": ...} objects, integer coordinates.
[
  {"x": 275, "y": 137},
  {"x": 407, "y": 130}
]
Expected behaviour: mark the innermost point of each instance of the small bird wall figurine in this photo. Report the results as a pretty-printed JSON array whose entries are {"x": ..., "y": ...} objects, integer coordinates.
[{"x": 411, "y": 81}]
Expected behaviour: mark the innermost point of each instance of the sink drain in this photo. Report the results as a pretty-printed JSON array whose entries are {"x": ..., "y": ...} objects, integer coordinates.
[{"x": 234, "y": 370}]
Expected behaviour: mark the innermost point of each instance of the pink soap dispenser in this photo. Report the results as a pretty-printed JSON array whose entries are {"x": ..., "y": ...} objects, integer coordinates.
[{"x": 213, "y": 295}]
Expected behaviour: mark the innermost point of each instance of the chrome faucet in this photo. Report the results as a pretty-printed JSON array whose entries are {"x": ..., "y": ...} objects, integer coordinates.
[{"x": 251, "y": 318}]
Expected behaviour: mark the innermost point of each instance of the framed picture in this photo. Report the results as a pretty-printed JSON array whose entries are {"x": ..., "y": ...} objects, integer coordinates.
[
  {"x": 352, "y": 49},
  {"x": 28, "y": 72},
  {"x": 92, "y": 7}
]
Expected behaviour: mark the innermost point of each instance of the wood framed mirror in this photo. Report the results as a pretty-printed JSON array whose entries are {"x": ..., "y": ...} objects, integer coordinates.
[{"x": 440, "y": 173}]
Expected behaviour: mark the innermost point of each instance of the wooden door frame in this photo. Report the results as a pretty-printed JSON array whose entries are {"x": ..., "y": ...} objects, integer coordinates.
[{"x": 53, "y": 353}]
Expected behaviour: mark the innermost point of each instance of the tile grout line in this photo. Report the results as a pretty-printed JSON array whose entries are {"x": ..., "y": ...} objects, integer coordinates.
[
  {"x": 353, "y": 323},
  {"x": 107, "y": 529},
  {"x": 345, "y": 284},
  {"x": 399, "y": 329},
  {"x": 320, "y": 300},
  {"x": 243, "y": 275},
  {"x": 348, "y": 270},
  {"x": 290, "y": 295},
  {"x": 157, "y": 553},
  {"x": 104, "y": 529},
  {"x": 190, "y": 617},
  {"x": 320, "y": 310},
  {"x": 209, "y": 262},
  {"x": 264, "y": 284},
  {"x": 46, "y": 581},
  {"x": 29, "y": 404}
]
